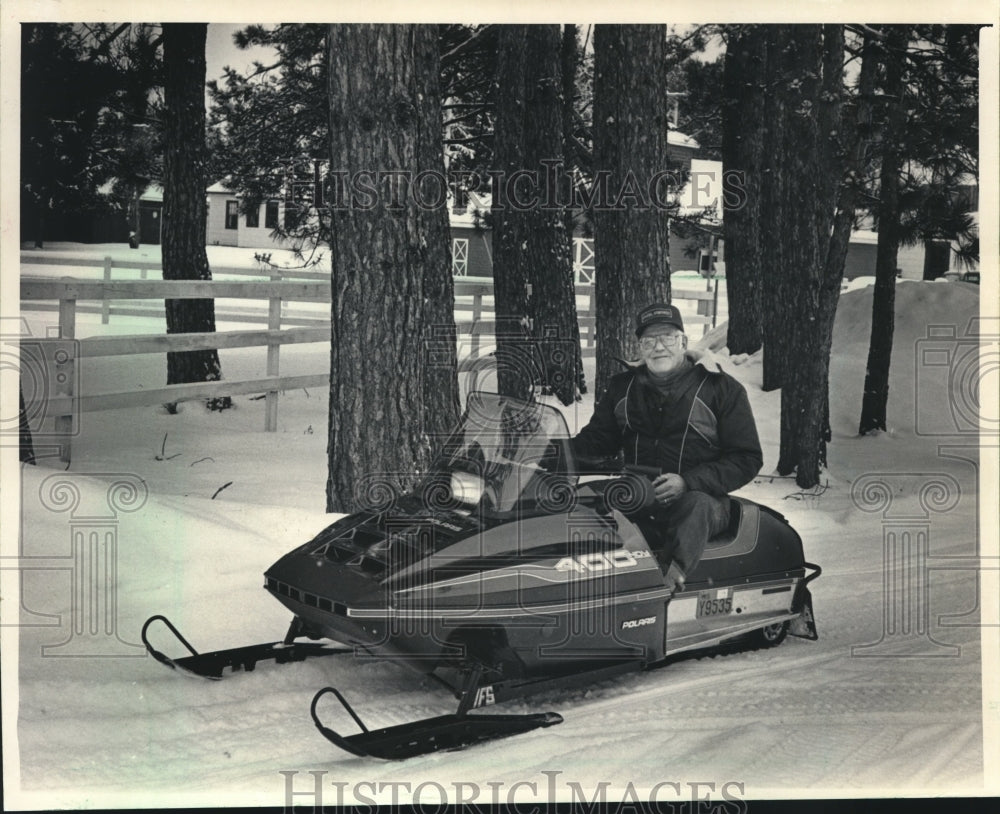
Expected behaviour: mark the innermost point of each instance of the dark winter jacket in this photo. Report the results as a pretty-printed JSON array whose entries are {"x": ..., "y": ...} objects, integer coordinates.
[{"x": 703, "y": 430}]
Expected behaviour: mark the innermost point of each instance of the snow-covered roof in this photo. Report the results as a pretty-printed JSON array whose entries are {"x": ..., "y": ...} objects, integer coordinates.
[
  {"x": 864, "y": 236},
  {"x": 154, "y": 192},
  {"x": 479, "y": 203},
  {"x": 678, "y": 139}
]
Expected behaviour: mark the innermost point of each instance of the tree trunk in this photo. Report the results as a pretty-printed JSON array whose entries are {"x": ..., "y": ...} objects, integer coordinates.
[
  {"x": 743, "y": 128},
  {"x": 810, "y": 78},
  {"x": 134, "y": 221},
  {"x": 516, "y": 363},
  {"x": 631, "y": 235},
  {"x": 184, "y": 208},
  {"x": 547, "y": 253},
  {"x": 27, "y": 451},
  {"x": 40, "y": 227},
  {"x": 801, "y": 232},
  {"x": 842, "y": 149},
  {"x": 774, "y": 205},
  {"x": 568, "y": 58},
  {"x": 393, "y": 383},
  {"x": 876, "y": 391}
]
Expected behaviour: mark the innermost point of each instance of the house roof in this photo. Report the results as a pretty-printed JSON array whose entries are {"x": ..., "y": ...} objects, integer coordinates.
[
  {"x": 679, "y": 139},
  {"x": 154, "y": 192}
]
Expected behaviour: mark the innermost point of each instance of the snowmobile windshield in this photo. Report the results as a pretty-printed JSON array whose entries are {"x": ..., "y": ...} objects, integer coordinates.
[{"x": 507, "y": 455}]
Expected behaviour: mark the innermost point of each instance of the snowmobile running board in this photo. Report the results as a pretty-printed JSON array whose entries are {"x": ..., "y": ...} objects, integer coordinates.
[
  {"x": 457, "y": 731},
  {"x": 212, "y": 665},
  {"x": 446, "y": 732}
]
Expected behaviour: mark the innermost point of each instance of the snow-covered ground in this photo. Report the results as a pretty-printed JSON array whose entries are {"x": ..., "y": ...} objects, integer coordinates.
[{"x": 893, "y": 698}]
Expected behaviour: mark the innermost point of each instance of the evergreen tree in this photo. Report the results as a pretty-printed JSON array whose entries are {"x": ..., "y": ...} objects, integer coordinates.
[
  {"x": 531, "y": 242},
  {"x": 744, "y": 91},
  {"x": 819, "y": 147},
  {"x": 63, "y": 91},
  {"x": 516, "y": 363},
  {"x": 928, "y": 154},
  {"x": 269, "y": 128},
  {"x": 27, "y": 450},
  {"x": 631, "y": 240},
  {"x": 184, "y": 206},
  {"x": 393, "y": 385},
  {"x": 129, "y": 135},
  {"x": 876, "y": 388}
]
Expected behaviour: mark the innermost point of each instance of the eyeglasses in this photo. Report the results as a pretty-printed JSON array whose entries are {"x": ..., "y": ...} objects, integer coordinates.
[{"x": 648, "y": 343}]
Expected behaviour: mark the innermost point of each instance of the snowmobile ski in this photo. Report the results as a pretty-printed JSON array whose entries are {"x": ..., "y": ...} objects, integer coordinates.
[
  {"x": 443, "y": 733},
  {"x": 212, "y": 665}
]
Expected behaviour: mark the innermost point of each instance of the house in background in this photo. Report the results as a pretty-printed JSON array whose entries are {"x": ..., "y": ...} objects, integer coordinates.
[
  {"x": 704, "y": 191},
  {"x": 471, "y": 238},
  {"x": 227, "y": 226},
  {"x": 107, "y": 223},
  {"x": 471, "y": 248},
  {"x": 151, "y": 215}
]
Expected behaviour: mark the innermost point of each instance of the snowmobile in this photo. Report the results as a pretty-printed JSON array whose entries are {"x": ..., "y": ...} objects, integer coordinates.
[{"x": 508, "y": 570}]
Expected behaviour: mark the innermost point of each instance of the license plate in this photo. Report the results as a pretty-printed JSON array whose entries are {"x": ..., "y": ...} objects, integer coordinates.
[{"x": 711, "y": 604}]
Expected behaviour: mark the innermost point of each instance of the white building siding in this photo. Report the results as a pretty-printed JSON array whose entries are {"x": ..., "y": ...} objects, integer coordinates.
[{"x": 216, "y": 233}]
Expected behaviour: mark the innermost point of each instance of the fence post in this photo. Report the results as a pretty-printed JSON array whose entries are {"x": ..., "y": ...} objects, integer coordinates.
[
  {"x": 477, "y": 314},
  {"x": 65, "y": 374},
  {"x": 105, "y": 302},
  {"x": 592, "y": 311},
  {"x": 273, "y": 349}
]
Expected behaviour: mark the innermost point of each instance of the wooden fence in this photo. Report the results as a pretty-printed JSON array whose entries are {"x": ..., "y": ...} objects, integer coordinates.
[{"x": 474, "y": 320}]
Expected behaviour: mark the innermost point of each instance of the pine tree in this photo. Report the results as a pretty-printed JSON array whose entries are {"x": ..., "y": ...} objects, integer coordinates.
[
  {"x": 516, "y": 362},
  {"x": 631, "y": 238},
  {"x": 27, "y": 450},
  {"x": 538, "y": 340},
  {"x": 63, "y": 90},
  {"x": 820, "y": 158},
  {"x": 129, "y": 136},
  {"x": 184, "y": 206},
  {"x": 928, "y": 151},
  {"x": 393, "y": 383},
  {"x": 876, "y": 387},
  {"x": 269, "y": 128},
  {"x": 743, "y": 158}
]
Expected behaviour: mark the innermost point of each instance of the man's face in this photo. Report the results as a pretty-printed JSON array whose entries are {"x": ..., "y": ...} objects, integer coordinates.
[{"x": 662, "y": 348}]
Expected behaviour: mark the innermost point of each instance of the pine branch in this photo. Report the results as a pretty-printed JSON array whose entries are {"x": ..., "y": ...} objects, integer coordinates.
[{"x": 464, "y": 46}]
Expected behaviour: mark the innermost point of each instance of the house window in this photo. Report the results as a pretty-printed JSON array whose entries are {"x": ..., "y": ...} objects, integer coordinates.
[
  {"x": 460, "y": 256},
  {"x": 253, "y": 218},
  {"x": 232, "y": 214},
  {"x": 271, "y": 215}
]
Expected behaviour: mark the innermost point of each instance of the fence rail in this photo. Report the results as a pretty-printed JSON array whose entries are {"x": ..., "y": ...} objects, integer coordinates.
[{"x": 59, "y": 355}]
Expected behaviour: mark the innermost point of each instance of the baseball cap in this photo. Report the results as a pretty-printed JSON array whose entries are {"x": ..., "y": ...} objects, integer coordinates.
[{"x": 659, "y": 313}]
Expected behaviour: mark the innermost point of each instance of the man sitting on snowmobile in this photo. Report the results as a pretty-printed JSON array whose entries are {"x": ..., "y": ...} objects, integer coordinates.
[{"x": 676, "y": 412}]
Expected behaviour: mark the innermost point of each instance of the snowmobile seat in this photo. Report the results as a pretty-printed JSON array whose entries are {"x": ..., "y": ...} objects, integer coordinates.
[
  {"x": 735, "y": 516},
  {"x": 740, "y": 535}
]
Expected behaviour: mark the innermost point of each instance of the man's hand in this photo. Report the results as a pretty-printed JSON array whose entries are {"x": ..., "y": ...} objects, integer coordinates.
[{"x": 668, "y": 488}]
